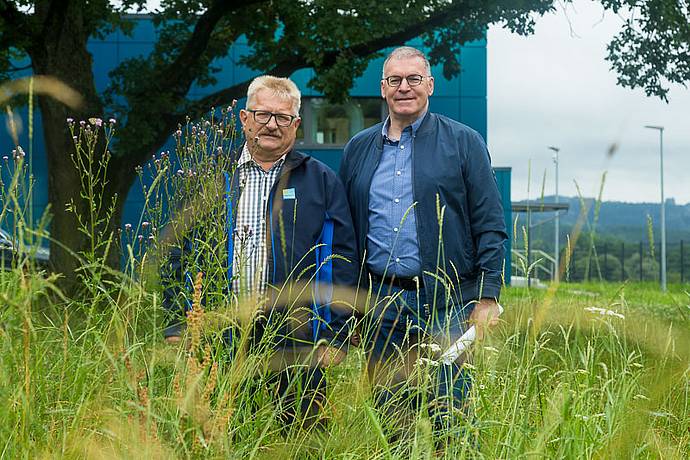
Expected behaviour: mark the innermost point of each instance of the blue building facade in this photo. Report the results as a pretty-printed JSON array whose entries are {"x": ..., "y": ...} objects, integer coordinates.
[{"x": 325, "y": 127}]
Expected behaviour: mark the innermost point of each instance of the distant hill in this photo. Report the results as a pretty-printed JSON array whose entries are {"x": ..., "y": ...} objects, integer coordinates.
[{"x": 626, "y": 221}]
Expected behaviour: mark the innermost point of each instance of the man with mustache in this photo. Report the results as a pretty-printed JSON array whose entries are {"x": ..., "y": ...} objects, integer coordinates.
[
  {"x": 287, "y": 222},
  {"x": 428, "y": 216}
]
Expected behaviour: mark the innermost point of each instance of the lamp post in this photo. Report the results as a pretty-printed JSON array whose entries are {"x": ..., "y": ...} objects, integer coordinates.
[
  {"x": 663, "y": 206},
  {"x": 556, "y": 251}
]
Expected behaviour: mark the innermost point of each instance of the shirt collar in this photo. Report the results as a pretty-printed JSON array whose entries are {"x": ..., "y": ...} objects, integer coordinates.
[
  {"x": 415, "y": 125},
  {"x": 246, "y": 157}
]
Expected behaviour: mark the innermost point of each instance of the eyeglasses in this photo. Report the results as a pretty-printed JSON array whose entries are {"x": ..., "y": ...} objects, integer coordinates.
[
  {"x": 264, "y": 117},
  {"x": 412, "y": 80}
]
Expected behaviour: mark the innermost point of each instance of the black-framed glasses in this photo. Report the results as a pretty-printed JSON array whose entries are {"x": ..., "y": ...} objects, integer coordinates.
[
  {"x": 412, "y": 80},
  {"x": 264, "y": 117}
]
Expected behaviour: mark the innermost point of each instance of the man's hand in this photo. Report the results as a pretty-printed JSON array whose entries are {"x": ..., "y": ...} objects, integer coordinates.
[
  {"x": 484, "y": 316},
  {"x": 173, "y": 339},
  {"x": 327, "y": 355}
]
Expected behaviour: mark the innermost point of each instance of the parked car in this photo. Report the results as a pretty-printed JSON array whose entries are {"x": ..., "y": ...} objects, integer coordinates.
[{"x": 9, "y": 251}]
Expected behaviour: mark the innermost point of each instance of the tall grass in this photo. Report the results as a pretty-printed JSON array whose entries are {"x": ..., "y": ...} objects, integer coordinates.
[{"x": 583, "y": 371}]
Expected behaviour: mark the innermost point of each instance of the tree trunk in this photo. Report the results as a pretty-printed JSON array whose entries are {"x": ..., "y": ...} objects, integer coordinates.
[{"x": 63, "y": 54}]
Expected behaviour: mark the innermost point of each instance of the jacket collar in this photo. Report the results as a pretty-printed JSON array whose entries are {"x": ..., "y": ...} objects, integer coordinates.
[
  {"x": 425, "y": 127},
  {"x": 292, "y": 159}
]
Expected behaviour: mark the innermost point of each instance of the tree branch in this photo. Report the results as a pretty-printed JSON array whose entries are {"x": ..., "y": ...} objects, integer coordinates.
[
  {"x": 180, "y": 73},
  {"x": 413, "y": 30}
]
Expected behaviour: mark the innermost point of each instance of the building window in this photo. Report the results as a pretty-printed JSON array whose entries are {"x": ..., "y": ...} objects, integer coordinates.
[{"x": 327, "y": 125}]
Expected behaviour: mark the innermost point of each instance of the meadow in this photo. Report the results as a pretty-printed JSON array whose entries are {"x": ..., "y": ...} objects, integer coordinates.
[
  {"x": 596, "y": 370},
  {"x": 557, "y": 379}
]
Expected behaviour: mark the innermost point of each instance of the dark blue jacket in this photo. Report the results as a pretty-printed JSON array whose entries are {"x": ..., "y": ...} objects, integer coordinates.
[
  {"x": 308, "y": 224},
  {"x": 460, "y": 223}
]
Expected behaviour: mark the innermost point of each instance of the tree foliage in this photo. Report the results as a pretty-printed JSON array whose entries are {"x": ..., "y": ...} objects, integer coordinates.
[{"x": 652, "y": 50}]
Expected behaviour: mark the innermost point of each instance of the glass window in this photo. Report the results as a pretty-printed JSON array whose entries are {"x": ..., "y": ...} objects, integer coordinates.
[{"x": 327, "y": 124}]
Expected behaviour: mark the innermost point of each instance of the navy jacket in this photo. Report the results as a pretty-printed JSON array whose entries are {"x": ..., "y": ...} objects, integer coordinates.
[
  {"x": 460, "y": 223},
  {"x": 308, "y": 224}
]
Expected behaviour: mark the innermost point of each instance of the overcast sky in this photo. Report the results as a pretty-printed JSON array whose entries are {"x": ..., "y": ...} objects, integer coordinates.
[{"x": 555, "y": 88}]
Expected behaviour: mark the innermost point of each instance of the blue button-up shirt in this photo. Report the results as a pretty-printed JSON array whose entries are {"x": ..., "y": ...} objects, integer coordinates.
[{"x": 392, "y": 245}]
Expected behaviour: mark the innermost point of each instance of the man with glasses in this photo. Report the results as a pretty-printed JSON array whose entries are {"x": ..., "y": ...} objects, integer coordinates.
[
  {"x": 288, "y": 223},
  {"x": 428, "y": 217}
]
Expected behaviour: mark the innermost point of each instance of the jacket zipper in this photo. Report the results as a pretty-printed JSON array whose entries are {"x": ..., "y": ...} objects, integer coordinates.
[{"x": 416, "y": 220}]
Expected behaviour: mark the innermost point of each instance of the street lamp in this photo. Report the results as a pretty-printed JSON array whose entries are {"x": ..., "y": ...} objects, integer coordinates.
[
  {"x": 556, "y": 251},
  {"x": 663, "y": 206}
]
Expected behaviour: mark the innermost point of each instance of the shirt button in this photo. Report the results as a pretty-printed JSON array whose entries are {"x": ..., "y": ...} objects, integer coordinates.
[
  {"x": 402, "y": 147},
  {"x": 397, "y": 200},
  {"x": 395, "y": 229},
  {"x": 397, "y": 260},
  {"x": 397, "y": 173}
]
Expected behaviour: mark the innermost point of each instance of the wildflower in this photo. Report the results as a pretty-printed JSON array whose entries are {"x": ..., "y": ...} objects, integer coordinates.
[
  {"x": 180, "y": 172},
  {"x": 5, "y": 157},
  {"x": 140, "y": 238},
  {"x": 74, "y": 138},
  {"x": 233, "y": 103},
  {"x": 82, "y": 123},
  {"x": 112, "y": 121},
  {"x": 70, "y": 120},
  {"x": 128, "y": 227},
  {"x": 145, "y": 224},
  {"x": 427, "y": 362},
  {"x": 605, "y": 312},
  {"x": 435, "y": 348},
  {"x": 151, "y": 238},
  {"x": 178, "y": 133},
  {"x": 18, "y": 153}
]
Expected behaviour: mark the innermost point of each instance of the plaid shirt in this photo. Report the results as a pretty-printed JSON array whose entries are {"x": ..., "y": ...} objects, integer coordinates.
[{"x": 249, "y": 259}]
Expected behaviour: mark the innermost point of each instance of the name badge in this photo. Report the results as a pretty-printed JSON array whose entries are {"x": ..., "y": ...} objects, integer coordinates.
[{"x": 289, "y": 194}]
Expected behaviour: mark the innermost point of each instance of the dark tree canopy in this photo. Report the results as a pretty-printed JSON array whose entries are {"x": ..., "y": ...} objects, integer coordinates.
[{"x": 337, "y": 38}]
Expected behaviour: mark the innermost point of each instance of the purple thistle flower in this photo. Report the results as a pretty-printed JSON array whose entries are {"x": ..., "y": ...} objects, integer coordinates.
[{"x": 140, "y": 238}]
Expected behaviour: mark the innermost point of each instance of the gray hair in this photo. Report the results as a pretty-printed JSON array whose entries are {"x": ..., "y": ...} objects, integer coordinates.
[
  {"x": 283, "y": 88},
  {"x": 406, "y": 52}
]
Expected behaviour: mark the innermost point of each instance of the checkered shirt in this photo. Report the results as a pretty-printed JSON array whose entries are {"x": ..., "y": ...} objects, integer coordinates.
[{"x": 249, "y": 259}]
